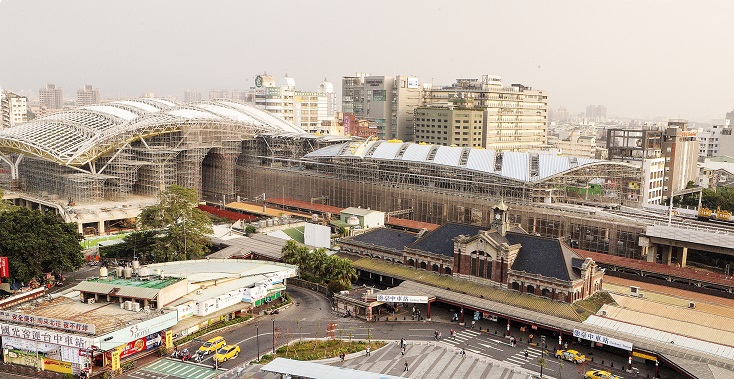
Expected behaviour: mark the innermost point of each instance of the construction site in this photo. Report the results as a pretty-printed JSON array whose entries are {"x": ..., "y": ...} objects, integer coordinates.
[{"x": 100, "y": 165}]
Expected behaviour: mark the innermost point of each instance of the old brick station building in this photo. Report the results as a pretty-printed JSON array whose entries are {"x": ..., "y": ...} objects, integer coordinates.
[{"x": 504, "y": 256}]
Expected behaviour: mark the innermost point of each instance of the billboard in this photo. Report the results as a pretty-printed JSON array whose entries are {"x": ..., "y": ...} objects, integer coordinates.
[
  {"x": 137, "y": 331},
  {"x": 413, "y": 83},
  {"x": 598, "y": 338},
  {"x": 317, "y": 235},
  {"x": 4, "y": 268}
]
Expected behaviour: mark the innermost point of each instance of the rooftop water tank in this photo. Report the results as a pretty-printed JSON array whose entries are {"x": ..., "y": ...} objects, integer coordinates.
[
  {"x": 118, "y": 271},
  {"x": 353, "y": 220},
  {"x": 103, "y": 272},
  {"x": 136, "y": 265},
  {"x": 143, "y": 272},
  {"x": 127, "y": 272}
]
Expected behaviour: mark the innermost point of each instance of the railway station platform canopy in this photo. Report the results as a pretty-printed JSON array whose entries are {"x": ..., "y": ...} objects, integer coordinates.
[
  {"x": 79, "y": 136},
  {"x": 114, "y": 150},
  {"x": 530, "y": 176}
]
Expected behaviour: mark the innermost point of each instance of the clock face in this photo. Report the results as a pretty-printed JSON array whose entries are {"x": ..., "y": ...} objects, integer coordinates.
[{"x": 497, "y": 216}]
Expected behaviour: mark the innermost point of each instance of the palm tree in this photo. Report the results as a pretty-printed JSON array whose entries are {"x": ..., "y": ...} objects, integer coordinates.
[
  {"x": 289, "y": 252},
  {"x": 342, "y": 271},
  {"x": 319, "y": 261}
]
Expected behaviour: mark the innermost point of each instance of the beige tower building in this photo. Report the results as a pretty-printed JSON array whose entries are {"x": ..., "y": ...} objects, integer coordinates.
[
  {"x": 458, "y": 124},
  {"x": 51, "y": 97},
  {"x": 516, "y": 116},
  {"x": 680, "y": 148},
  {"x": 87, "y": 96}
]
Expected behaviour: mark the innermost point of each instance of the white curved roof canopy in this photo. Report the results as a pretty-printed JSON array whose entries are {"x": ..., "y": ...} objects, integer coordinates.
[
  {"x": 510, "y": 165},
  {"x": 81, "y": 135}
]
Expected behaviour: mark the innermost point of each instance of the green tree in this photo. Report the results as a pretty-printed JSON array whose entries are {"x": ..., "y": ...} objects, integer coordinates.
[
  {"x": 38, "y": 242},
  {"x": 183, "y": 228},
  {"x": 341, "y": 272},
  {"x": 138, "y": 244},
  {"x": 289, "y": 252}
]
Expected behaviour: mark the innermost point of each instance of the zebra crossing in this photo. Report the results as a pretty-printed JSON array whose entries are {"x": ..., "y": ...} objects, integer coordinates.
[
  {"x": 519, "y": 357},
  {"x": 174, "y": 368}
]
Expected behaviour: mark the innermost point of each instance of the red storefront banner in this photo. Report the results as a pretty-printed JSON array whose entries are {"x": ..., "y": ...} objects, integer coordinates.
[{"x": 4, "y": 267}]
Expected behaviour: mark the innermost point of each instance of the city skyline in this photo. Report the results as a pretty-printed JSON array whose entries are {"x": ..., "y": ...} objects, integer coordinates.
[{"x": 640, "y": 59}]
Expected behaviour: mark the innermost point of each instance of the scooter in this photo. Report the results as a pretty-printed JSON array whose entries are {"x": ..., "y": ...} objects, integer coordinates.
[{"x": 198, "y": 357}]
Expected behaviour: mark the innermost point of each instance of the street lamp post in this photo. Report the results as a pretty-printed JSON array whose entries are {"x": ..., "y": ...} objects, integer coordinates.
[
  {"x": 257, "y": 339},
  {"x": 273, "y": 336}
]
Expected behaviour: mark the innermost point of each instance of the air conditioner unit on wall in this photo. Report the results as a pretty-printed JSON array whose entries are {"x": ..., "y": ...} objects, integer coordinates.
[
  {"x": 691, "y": 305},
  {"x": 90, "y": 300}
]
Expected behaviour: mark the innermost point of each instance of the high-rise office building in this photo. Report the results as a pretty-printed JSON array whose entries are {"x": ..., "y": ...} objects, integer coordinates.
[
  {"x": 596, "y": 112},
  {"x": 327, "y": 88},
  {"x": 13, "y": 108},
  {"x": 51, "y": 97},
  {"x": 458, "y": 124},
  {"x": 516, "y": 116},
  {"x": 680, "y": 148},
  {"x": 87, "y": 96},
  {"x": 192, "y": 96},
  {"x": 387, "y": 103}
]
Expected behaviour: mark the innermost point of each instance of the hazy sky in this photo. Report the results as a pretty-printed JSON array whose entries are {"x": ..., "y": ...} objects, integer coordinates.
[{"x": 639, "y": 58}]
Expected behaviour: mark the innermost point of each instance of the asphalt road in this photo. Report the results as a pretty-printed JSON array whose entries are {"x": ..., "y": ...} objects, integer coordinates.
[{"x": 310, "y": 317}]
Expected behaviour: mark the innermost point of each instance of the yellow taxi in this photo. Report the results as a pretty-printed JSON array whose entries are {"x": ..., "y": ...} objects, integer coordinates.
[
  {"x": 212, "y": 345},
  {"x": 571, "y": 356},
  {"x": 227, "y": 352},
  {"x": 600, "y": 374}
]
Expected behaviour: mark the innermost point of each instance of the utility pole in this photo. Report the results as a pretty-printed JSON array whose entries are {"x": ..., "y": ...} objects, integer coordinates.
[
  {"x": 273, "y": 336},
  {"x": 257, "y": 339}
]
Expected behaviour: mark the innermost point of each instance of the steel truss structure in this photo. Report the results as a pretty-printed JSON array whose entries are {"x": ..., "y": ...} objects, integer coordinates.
[
  {"x": 451, "y": 184},
  {"x": 140, "y": 146}
]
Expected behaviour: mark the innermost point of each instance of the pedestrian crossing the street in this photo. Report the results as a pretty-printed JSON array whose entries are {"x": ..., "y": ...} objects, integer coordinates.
[
  {"x": 519, "y": 358},
  {"x": 170, "y": 368},
  {"x": 461, "y": 336}
]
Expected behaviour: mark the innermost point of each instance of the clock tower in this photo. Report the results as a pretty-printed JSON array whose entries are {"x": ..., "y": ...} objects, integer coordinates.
[{"x": 500, "y": 218}]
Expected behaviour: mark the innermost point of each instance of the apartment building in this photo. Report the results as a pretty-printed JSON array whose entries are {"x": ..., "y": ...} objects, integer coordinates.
[
  {"x": 680, "y": 149},
  {"x": 13, "y": 109},
  {"x": 51, "y": 97},
  {"x": 516, "y": 116},
  {"x": 459, "y": 124},
  {"x": 387, "y": 103},
  {"x": 87, "y": 96},
  {"x": 192, "y": 96}
]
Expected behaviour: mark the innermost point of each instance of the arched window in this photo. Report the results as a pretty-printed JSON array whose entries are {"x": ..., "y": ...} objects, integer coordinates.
[
  {"x": 546, "y": 292},
  {"x": 434, "y": 267},
  {"x": 530, "y": 289},
  {"x": 423, "y": 265},
  {"x": 516, "y": 286},
  {"x": 447, "y": 270},
  {"x": 411, "y": 262}
]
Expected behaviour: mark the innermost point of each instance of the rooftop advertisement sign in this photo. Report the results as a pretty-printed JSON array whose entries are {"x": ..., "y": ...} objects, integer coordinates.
[
  {"x": 133, "y": 332},
  {"x": 46, "y": 322}
]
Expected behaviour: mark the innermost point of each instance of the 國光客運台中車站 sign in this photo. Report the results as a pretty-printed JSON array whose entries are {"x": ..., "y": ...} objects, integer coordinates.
[
  {"x": 402, "y": 299},
  {"x": 598, "y": 338}
]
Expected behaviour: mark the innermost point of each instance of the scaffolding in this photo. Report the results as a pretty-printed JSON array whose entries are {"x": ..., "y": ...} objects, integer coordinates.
[{"x": 115, "y": 150}]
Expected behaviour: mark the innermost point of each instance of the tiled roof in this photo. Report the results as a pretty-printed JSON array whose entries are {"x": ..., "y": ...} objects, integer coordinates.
[
  {"x": 441, "y": 240},
  {"x": 315, "y": 207},
  {"x": 542, "y": 256},
  {"x": 387, "y": 238},
  {"x": 472, "y": 292},
  {"x": 658, "y": 268},
  {"x": 411, "y": 224}
]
